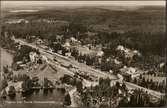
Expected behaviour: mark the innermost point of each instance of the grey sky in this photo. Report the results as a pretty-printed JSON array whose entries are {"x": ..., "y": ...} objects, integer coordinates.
[{"x": 80, "y": 3}]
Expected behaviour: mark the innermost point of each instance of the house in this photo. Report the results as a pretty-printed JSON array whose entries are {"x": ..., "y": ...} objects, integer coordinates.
[
  {"x": 67, "y": 45},
  {"x": 68, "y": 54},
  {"x": 120, "y": 47},
  {"x": 39, "y": 41},
  {"x": 59, "y": 52},
  {"x": 33, "y": 56},
  {"x": 113, "y": 82},
  {"x": 22, "y": 66},
  {"x": 59, "y": 38},
  {"x": 13, "y": 37},
  {"x": 117, "y": 62},
  {"x": 110, "y": 71},
  {"x": 133, "y": 72},
  {"x": 73, "y": 39},
  {"x": 161, "y": 65},
  {"x": 74, "y": 42},
  {"x": 137, "y": 53},
  {"x": 128, "y": 53},
  {"x": 84, "y": 50},
  {"x": 120, "y": 77},
  {"x": 100, "y": 53},
  {"x": 19, "y": 62},
  {"x": 44, "y": 47}
]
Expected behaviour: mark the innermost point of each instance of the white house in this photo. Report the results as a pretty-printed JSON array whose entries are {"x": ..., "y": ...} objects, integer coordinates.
[
  {"x": 100, "y": 53},
  {"x": 17, "y": 86},
  {"x": 110, "y": 71},
  {"x": 137, "y": 52},
  {"x": 161, "y": 65},
  {"x": 117, "y": 62},
  {"x": 128, "y": 52},
  {"x": 120, "y": 77},
  {"x": 120, "y": 47},
  {"x": 74, "y": 41},
  {"x": 68, "y": 54},
  {"x": 134, "y": 72},
  {"x": 39, "y": 41},
  {"x": 33, "y": 56},
  {"x": 67, "y": 45}
]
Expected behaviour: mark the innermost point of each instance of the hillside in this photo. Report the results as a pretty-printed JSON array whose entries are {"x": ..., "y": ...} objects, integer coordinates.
[{"x": 147, "y": 19}]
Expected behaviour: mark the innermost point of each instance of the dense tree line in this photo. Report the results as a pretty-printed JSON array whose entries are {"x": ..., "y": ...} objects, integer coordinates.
[
  {"x": 23, "y": 53},
  {"x": 150, "y": 84},
  {"x": 19, "y": 77},
  {"x": 140, "y": 98},
  {"x": 102, "y": 94},
  {"x": 149, "y": 44},
  {"x": 27, "y": 84},
  {"x": 72, "y": 81},
  {"x": 6, "y": 40}
]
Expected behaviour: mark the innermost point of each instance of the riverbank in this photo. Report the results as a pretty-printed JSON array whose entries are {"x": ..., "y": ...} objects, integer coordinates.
[{"x": 6, "y": 57}]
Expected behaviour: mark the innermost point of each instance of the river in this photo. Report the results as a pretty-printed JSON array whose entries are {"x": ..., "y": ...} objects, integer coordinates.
[{"x": 6, "y": 57}]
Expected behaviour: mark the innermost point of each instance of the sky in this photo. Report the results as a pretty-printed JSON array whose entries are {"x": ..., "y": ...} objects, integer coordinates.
[{"x": 7, "y": 4}]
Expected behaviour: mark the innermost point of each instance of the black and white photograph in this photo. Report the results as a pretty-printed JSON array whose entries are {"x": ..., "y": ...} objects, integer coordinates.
[{"x": 82, "y": 54}]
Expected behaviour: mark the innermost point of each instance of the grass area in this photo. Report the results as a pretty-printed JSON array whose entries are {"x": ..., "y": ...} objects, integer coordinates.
[{"x": 51, "y": 72}]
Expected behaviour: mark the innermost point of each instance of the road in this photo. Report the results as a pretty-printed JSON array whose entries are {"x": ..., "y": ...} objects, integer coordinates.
[{"x": 84, "y": 68}]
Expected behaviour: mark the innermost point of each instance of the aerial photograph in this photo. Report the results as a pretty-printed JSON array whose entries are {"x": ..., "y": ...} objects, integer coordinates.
[{"x": 82, "y": 54}]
